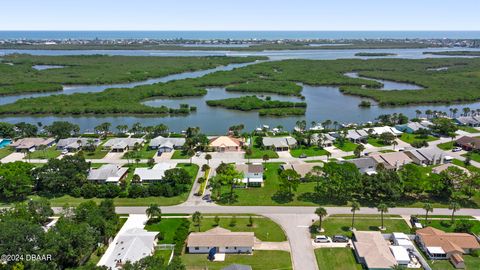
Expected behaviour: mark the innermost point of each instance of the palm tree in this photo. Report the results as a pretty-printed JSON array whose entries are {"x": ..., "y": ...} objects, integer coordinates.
[
  {"x": 355, "y": 208},
  {"x": 191, "y": 153},
  {"x": 208, "y": 157},
  {"x": 454, "y": 206},
  {"x": 382, "y": 208},
  {"x": 265, "y": 159},
  {"x": 321, "y": 213},
  {"x": 428, "y": 208},
  {"x": 248, "y": 153},
  {"x": 154, "y": 211},
  {"x": 418, "y": 113},
  {"x": 358, "y": 150},
  {"x": 328, "y": 154},
  {"x": 197, "y": 219},
  {"x": 394, "y": 143},
  {"x": 136, "y": 178}
]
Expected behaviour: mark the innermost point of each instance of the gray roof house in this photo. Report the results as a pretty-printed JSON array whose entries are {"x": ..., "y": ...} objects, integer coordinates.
[
  {"x": 279, "y": 143},
  {"x": 327, "y": 139},
  {"x": 357, "y": 135},
  {"x": 427, "y": 156},
  {"x": 166, "y": 144},
  {"x": 154, "y": 174},
  {"x": 412, "y": 127},
  {"x": 108, "y": 173},
  {"x": 366, "y": 165},
  {"x": 31, "y": 144},
  {"x": 122, "y": 144},
  {"x": 72, "y": 144},
  {"x": 473, "y": 121}
]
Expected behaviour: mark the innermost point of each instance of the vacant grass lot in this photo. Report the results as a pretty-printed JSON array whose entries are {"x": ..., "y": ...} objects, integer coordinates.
[
  {"x": 376, "y": 142},
  {"x": 446, "y": 146},
  {"x": 336, "y": 258},
  {"x": 180, "y": 154},
  {"x": 144, "y": 153},
  {"x": 410, "y": 138},
  {"x": 167, "y": 228},
  {"x": 48, "y": 153},
  {"x": 260, "y": 260},
  {"x": 311, "y": 151},
  {"x": 347, "y": 146}
]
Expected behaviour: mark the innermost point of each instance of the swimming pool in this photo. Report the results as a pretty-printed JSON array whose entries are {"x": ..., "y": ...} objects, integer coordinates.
[{"x": 4, "y": 142}]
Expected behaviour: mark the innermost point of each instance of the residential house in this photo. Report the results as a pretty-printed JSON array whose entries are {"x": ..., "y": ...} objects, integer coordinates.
[
  {"x": 439, "y": 245},
  {"x": 400, "y": 254},
  {"x": 413, "y": 127},
  {"x": 279, "y": 143},
  {"x": 372, "y": 250},
  {"x": 163, "y": 144},
  {"x": 31, "y": 144},
  {"x": 122, "y": 144},
  {"x": 426, "y": 156},
  {"x": 381, "y": 130},
  {"x": 468, "y": 143},
  {"x": 252, "y": 174},
  {"x": 357, "y": 136},
  {"x": 392, "y": 160},
  {"x": 473, "y": 121},
  {"x": 365, "y": 165},
  {"x": 326, "y": 139},
  {"x": 220, "y": 240},
  {"x": 301, "y": 168},
  {"x": 226, "y": 144},
  {"x": 154, "y": 174},
  {"x": 131, "y": 245},
  {"x": 75, "y": 144},
  {"x": 108, "y": 173}
]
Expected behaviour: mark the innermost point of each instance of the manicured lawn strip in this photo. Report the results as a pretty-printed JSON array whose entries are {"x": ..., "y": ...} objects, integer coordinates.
[
  {"x": 348, "y": 146},
  {"x": 376, "y": 142},
  {"x": 180, "y": 154},
  {"x": 341, "y": 225},
  {"x": 144, "y": 153},
  {"x": 99, "y": 152},
  {"x": 444, "y": 225},
  {"x": 166, "y": 227},
  {"x": 260, "y": 260},
  {"x": 468, "y": 129},
  {"x": 146, "y": 201},
  {"x": 48, "y": 153},
  {"x": 473, "y": 155},
  {"x": 336, "y": 258},
  {"x": 470, "y": 263},
  {"x": 462, "y": 164},
  {"x": 446, "y": 146},
  {"x": 349, "y": 157},
  {"x": 410, "y": 138},
  {"x": 364, "y": 215},
  {"x": 311, "y": 151},
  {"x": 264, "y": 228},
  {"x": 5, "y": 152}
]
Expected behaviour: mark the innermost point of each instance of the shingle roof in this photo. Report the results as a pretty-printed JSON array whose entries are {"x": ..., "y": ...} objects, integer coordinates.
[
  {"x": 449, "y": 242},
  {"x": 219, "y": 237},
  {"x": 469, "y": 142},
  {"x": 106, "y": 171},
  {"x": 374, "y": 249},
  {"x": 279, "y": 142},
  {"x": 166, "y": 142},
  {"x": 122, "y": 142}
]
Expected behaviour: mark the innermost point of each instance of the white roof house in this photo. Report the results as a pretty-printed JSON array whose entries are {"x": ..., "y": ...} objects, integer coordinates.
[
  {"x": 76, "y": 143},
  {"x": 384, "y": 129},
  {"x": 154, "y": 174},
  {"x": 372, "y": 250},
  {"x": 279, "y": 143},
  {"x": 172, "y": 143},
  {"x": 400, "y": 254},
  {"x": 122, "y": 143},
  {"x": 108, "y": 173},
  {"x": 357, "y": 135}
]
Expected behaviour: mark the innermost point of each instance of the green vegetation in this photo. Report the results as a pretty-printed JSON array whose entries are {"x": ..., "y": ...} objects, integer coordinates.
[
  {"x": 412, "y": 138},
  {"x": 475, "y": 156},
  {"x": 262, "y": 86},
  {"x": 336, "y": 258},
  {"x": 468, "y": 129},
  {"x": 249, "y": 103},
  {"x": 5, "y": 152},
  {"x": 258, "y": 153},
  {"x": 470, "y": 263},
  {"x": 260, "y": 260},
  {"x": 455, "y": 53},
  {"x": 446, "y": 146},
  {"x": 47, "y": 153},
  {"x": 367, "y": 54},
  {"x": 346, "y": 146},
  {"x": 311, "y": 151},
  {"x": 377, "y": 142},
  {"x": 166, "y": 227},
  {"x": 180, "y": 154},
  {"x": 143, "y": 153}
]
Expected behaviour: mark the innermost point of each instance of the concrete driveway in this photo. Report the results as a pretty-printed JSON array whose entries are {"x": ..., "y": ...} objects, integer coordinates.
[{"x": 15, "y": 156}]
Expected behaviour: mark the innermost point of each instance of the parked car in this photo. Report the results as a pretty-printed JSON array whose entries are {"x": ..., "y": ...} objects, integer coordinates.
[
  {"x": 322, "y": 239},
  {"x": 340, "y": 239},
  {"x": 302, "y": 156},
  {"x": 415, "y": 221},
  {"x": 456, "y": 149},
  {"x": 198, "y": 153}
]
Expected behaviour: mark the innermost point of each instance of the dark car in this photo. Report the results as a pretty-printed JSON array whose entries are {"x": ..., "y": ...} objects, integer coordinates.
[
  {"x": 340, "y": 239},
  {"x": 302, "y": 156}
]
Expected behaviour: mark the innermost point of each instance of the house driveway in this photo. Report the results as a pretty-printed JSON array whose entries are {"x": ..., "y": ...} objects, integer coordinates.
[
  {"x": 15, "y": 156},
  {"x": 261, "y": 245}
]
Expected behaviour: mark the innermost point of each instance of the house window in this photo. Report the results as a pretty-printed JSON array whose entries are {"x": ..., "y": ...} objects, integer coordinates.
[{"x": 197, "y": 248}]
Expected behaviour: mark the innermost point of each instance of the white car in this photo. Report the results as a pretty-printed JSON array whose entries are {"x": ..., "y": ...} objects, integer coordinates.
[
  {"x": 457, "y": 149},
  {"x": 322, "y": 239}
]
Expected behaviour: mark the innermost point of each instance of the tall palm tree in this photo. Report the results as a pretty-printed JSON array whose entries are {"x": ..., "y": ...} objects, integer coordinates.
[
  {"x": 265, "y": 159},
  {"x": 394, "y": 143},
  {"x": 248, "y": 153},
  {"x": 208, "y": 157},
  {"x": 154, "y": 211},
  {"x": 354, "y": 209},
  {"x": 428, "y": 208},
  {"x": 321, "y": 213},
  {"x": 454, "y": 206},
  {"x": 382, "y": 208},
  {"x": 197, "y": 219}
]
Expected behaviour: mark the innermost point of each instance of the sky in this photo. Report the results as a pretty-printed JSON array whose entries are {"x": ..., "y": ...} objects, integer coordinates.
[{"x": 240, "y": 15}]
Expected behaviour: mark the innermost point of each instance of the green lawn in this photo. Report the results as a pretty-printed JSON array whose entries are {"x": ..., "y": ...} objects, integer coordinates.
[
  {"x": 336, "y": 258},
  {"x": 341, "y": 225},
  {"x": 410, "y": 138},
  {"x": 470, "y": 263},
  {"x": 312, "y": 151},
  {"x": 444, "y": 225},
  {"x": 446, "y": 146},
  {"x": 180, "y": 154},
  {"x": 264, "y": 228},
  {"x": 167, "y": 228},
  {"x": 258, "y": 153},
  {"x": 5, "y": 151},
  {"x": 144, "y": 153},
  {"x": 99, "y": 152},
  {"x": 348, "y": 146},
  {"x": 48, "y": 153},
  {"x": 473, "y": 155},
  {"x": 376, "y": 142},
  {"x": 468, "y": 129},
  {"x": 260, "y": 260}
]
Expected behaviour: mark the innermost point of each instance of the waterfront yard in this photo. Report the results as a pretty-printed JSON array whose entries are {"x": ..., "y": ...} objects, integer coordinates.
[{"x": 336, "y": 258}]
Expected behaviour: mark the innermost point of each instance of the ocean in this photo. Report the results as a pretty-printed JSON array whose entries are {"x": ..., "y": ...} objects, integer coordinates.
[{"x": 269, "y": 35}]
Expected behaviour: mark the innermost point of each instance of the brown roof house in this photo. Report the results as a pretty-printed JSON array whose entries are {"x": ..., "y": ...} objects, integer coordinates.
[
  {"x": 31, "y": 144},
  {"x": 439, "y": 245},
  {"x": 220, "y": 240},
  {"x": 393, "y": 160},
  {"x": 468, "y": 143},
  {"x": 252, "y": 174},
  {"x": 372, "y": 250},
  {"x": 226, "y": 144}
]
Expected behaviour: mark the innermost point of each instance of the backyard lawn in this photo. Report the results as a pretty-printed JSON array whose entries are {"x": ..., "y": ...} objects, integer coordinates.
[
  {"x": 347, "y": 146},
  {"x": 336, "y": 258},
  {"x": 468, "y": 129},
  {"x": 5, "y": 152},
  {"x": 260, "y": 260},
  {"x": 264, "y": 228},
  {"x": 167, "y": 228},
  {"x": 180, "y": 154},
  {"x": 99, "y": 152},
  {"x": 48, "y": 153},
  {"x": 312, "y": 151},
  {"x": 258, "y": 153},
  {"x": 144, "y": 153},
  {"x": 446, "y": 146},
  {"x": 341, "y": 225},
  {"x": 376, "y": 142},
  {"x": 470, "y": 263},
  {"x": 410, "y": 138},
  {"x": 473, "y": 155}
]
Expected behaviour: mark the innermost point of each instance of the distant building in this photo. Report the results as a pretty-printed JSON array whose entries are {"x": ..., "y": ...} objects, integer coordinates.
[
  {"x": 357, "y": 136},
  {"x": 31, "y": 144},
  {"x": 122, "y": 144},
  {"x": 472, "y": 121},
  {"x": 412, "y": 127},
  {"x": 252, "y": 174},
  {"x": 279, "y": 143},
  {"x": 108, "y": 173},
  {"x": 365, "y": 165},
  {"x": 326, "y": 139},
  {"x": 382, "y": 130},
  {"x": 220, "y": 240},
  {"x": 427, "y": 156},
  {"x": 226, "y": 144}
]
